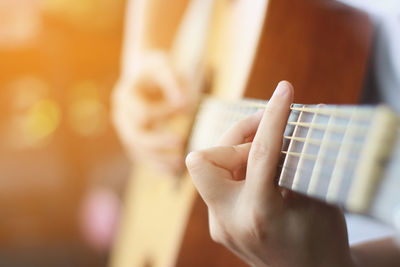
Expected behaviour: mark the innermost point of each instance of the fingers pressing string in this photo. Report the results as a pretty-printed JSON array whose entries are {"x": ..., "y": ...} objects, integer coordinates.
[{"x": 265, "y": 150}]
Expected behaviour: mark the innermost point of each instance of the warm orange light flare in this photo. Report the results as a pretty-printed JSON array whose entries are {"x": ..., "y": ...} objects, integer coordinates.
[{"x": 19, "y": 26}]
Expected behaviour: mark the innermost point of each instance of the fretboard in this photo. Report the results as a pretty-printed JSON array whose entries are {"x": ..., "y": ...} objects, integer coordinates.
[{"x": 333, "y": 153}]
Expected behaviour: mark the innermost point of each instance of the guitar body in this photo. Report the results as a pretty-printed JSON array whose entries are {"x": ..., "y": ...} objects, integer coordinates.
[{"x": 322, "y": 47}]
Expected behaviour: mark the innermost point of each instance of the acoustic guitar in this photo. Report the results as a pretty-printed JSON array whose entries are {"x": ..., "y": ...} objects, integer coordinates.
[{"x": 243, "y": 50}]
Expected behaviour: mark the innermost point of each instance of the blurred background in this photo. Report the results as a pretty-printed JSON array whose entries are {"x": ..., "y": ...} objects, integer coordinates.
[{"x": 59, "y": 60}]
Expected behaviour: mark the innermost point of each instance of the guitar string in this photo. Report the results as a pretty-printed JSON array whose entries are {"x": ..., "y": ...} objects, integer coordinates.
[
  {"x": 361, "y": 129},
  {"x": 309, "y": 156},
  {"x": 343, "y": 112},
  {"x": 320, "y": 126},
  {"x": 337, "y": 111},
  {"x": 298, "y": 180},
  {"x": 324, "y": 177},
  {"x": 316, "y": 169},
  {"x": 361, "y": 132},
  {"x": 333, "y": 111},
  {"x": 305, "y": 170},
  {"x": 318, "y": 142}
]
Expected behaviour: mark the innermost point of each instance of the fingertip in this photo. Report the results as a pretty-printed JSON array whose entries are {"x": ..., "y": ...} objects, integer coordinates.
[
  {"x": 284, "y": 89},
  {"x": 285, "y": 83},
  {"x": 192, "y": 159},
  {"x": 188, "y": 158}
]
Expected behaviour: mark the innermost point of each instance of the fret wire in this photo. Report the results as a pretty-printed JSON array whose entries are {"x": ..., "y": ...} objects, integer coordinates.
[
  {"x": 303, "y": 170},
  {"x": 314, "y": 141},
  {"x": 324, "y": 178},
  {"x": 301, "y": 139},
  {"x": 296, "y": 181},
  {"x": 338, "y": 171},
  {"x": 334, "y": 128},
  {"x": 283, "y": 174},
  {"x": 298, "y": 154},
  {"x": 312, "y": 187},
  {"x": 313, "y": 157},
  {"x": 344, "y": 113},
  {"x": 294, "y": 169}
]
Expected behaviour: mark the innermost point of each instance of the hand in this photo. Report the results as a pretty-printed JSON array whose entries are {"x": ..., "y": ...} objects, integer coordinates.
[
  {"x": 143, "y": 107},
  {"x": 263, "y": 224}
]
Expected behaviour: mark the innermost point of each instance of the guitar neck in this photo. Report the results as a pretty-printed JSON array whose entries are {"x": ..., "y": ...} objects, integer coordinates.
[{"x": 333, "y": 153}]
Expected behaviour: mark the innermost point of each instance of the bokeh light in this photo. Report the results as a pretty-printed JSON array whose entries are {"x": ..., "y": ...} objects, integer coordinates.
[
  {"x": 87, "y": 114},
  {"x": 42, "y": 120},
  {"x": 35, "y": 116}
]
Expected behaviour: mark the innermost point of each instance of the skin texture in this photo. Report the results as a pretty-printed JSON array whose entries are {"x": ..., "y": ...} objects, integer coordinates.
[{"x": 249, "y": 214}]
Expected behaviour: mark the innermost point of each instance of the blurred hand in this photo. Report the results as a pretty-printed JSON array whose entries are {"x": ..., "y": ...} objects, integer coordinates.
[
  {"x": 263, "y": 224},
  {"x": 145, "y": 106}
]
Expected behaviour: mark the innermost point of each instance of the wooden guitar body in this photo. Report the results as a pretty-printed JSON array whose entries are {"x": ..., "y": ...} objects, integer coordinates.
[{"x": 321, "y": 46}]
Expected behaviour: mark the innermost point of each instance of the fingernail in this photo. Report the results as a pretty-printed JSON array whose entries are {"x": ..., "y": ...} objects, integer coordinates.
[{"x": 281, "y": 89}]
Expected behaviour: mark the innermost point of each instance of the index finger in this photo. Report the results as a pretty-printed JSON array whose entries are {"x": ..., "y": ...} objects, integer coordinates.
[{"x": 267, "y": 143}]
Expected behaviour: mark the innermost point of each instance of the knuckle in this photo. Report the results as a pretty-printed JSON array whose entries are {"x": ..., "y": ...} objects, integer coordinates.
[
  {"x": 215, "y": 235},
  {"x": 220, "y": 234}
]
